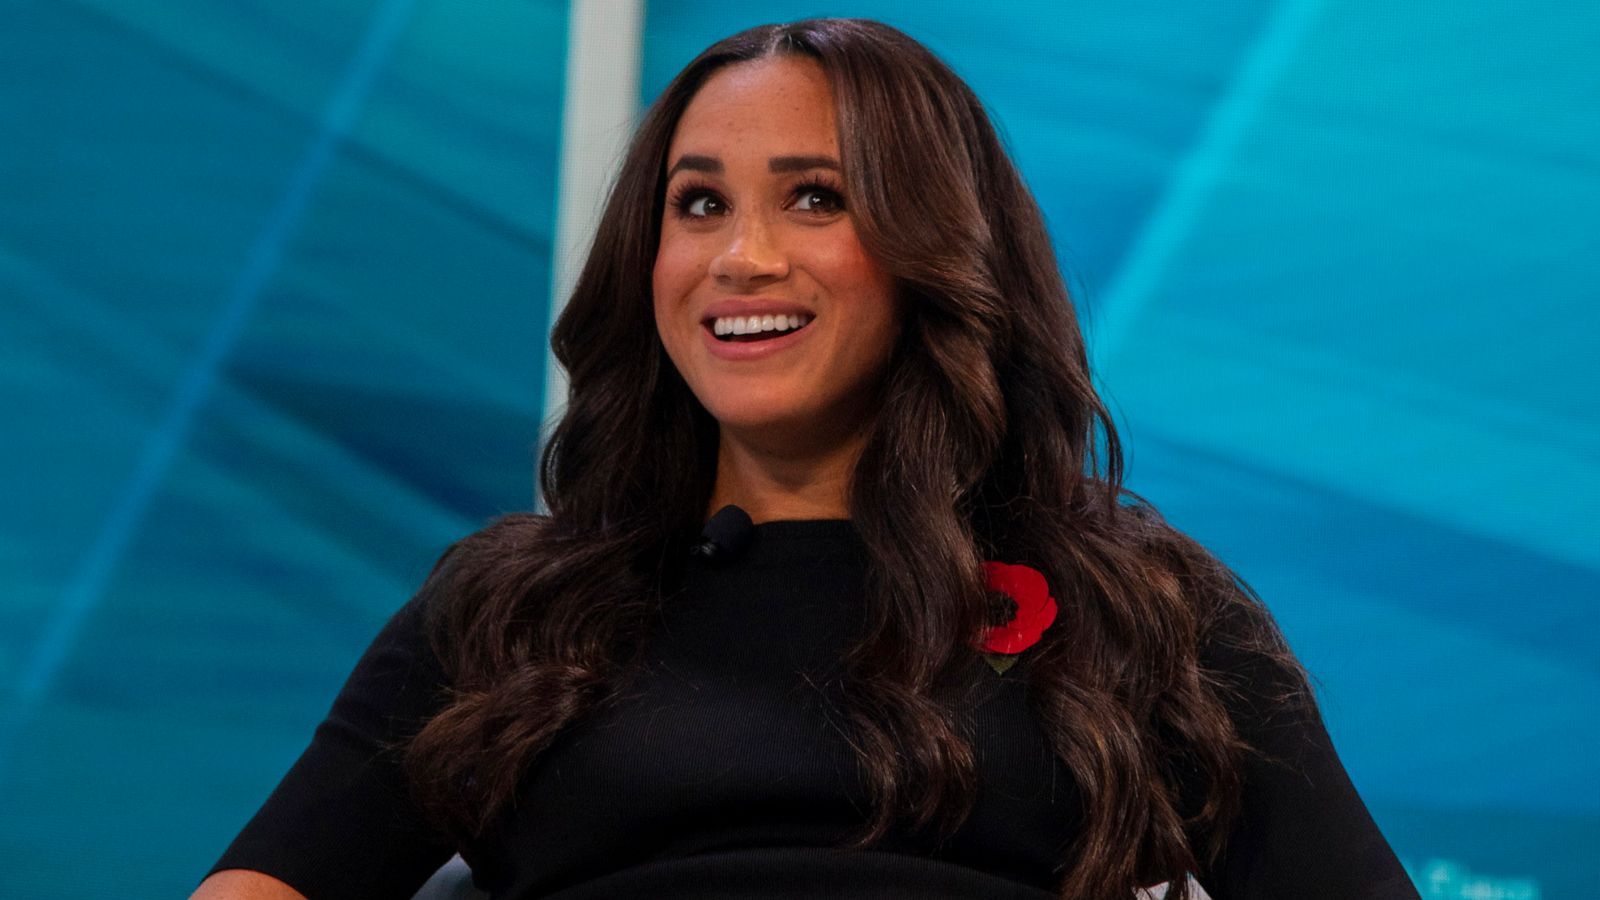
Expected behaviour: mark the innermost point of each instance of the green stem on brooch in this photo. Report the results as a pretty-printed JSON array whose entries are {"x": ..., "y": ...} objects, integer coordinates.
[{"x": 1000, "y": 662}]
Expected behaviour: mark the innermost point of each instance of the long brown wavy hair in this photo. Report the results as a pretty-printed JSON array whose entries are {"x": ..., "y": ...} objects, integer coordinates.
[{"x": 990, "y": 442}]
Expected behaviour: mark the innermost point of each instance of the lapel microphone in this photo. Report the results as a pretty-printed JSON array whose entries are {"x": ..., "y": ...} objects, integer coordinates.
[{"x": 725, "y": 537}]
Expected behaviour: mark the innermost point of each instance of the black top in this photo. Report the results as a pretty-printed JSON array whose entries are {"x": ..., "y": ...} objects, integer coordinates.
[{"x": 723, "y": 771}]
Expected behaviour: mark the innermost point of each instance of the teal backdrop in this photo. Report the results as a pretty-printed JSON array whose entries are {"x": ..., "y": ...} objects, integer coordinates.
[{"x": 273, "y": 293}]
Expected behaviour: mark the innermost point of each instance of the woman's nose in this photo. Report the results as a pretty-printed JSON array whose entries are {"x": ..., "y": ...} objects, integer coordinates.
[{"x": 751, "y": 255}]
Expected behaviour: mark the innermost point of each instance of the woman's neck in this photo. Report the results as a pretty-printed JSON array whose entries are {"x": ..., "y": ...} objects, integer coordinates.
[{"x": 770, "y": 485}]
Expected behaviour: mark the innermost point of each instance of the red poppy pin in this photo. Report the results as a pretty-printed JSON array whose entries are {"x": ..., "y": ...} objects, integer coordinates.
[{"x": 1035, "y": 609}]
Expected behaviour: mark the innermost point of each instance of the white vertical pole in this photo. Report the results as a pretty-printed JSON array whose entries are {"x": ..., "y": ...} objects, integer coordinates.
[{"x": 600, "y": 101}]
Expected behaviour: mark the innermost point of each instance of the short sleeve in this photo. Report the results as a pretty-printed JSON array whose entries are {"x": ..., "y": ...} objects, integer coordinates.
[
  {"x": 1302, "y": 831},
  {"x": 341, "y": 824}
]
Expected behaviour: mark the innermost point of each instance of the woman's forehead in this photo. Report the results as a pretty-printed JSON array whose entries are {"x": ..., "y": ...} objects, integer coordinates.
[{"x": 776, "y": 102}]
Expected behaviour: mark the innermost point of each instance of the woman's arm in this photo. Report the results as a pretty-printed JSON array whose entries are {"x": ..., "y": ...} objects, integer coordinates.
[
  {"x": 342, "y": 824},
  {"x": 243, "y": 884},
  {"x": 1303, "y": 830}
]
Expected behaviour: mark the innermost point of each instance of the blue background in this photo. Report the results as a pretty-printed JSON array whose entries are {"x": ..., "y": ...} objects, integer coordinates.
[{"x": 273, "y": 281}]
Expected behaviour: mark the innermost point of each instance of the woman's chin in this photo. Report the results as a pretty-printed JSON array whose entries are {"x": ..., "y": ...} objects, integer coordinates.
[
  {"x": 773, "y": 430},
  {"x": 760, "y": 420}
]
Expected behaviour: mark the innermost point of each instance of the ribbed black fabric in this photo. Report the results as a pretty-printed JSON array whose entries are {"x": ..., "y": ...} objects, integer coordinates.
[{"x": 723, "y": 771}]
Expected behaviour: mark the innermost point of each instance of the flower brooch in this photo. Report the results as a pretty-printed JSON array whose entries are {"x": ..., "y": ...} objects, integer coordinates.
[{"x": 1034, "y": 610}]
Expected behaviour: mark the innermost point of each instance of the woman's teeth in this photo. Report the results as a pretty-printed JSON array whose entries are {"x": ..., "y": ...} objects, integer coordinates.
[{"x": 732, "y": 325}]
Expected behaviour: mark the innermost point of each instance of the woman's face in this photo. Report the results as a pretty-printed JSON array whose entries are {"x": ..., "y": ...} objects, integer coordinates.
[{"x": 757, "y": 238}]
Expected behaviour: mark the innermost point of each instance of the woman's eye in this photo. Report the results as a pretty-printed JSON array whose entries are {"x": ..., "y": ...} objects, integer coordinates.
[
  {"x": 819, "y": 200},
  {"x": 699, "y": 206}
]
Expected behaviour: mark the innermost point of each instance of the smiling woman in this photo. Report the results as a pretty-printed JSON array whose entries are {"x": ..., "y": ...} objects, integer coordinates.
[
  {"x": 821, "y": 293},
  {"x": 755, "y": 229}
]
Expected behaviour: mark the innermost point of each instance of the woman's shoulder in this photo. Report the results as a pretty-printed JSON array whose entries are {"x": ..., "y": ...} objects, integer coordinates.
[
  {"x": 504, "y": 539},
  {"x": 467, "y": 562},
  {"x": 1237, "y": 640},
  {"x": 505, "y": 532}
]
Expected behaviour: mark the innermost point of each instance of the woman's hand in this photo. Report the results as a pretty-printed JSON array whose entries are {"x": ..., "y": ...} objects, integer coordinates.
[{"x": 242, "y": 884}]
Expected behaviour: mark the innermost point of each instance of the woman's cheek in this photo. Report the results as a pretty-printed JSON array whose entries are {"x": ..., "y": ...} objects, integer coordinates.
[{"x": 670, "y": 285}]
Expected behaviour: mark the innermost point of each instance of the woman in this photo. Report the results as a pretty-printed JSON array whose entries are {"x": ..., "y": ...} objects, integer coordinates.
[{"x": 955, "y": 658}]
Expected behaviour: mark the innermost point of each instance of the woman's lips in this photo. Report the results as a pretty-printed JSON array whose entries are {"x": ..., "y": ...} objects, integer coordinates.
[{"x": 743, "y": 351}]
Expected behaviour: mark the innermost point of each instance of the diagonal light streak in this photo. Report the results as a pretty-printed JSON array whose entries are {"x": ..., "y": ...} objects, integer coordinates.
[
  {"x": 1136, "y": 279},
  {"x": 87, "y": 586}
]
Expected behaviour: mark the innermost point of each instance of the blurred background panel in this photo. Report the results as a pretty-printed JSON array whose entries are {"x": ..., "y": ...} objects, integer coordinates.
[
  {"x": 273, "y": 286},
  {"x": 274, "y": 281}
]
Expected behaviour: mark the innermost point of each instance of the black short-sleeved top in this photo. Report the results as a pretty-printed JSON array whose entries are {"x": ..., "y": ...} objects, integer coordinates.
[{"x": 724, "y": 770}]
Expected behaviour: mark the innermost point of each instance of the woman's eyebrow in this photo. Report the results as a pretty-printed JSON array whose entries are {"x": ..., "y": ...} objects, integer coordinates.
[
  {"x": 779, "y": 164},
  {"x": 708, "y": 164},
  {"x": 776, "y": 165}
]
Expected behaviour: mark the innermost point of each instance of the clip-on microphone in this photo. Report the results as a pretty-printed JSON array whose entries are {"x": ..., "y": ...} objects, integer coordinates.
[{"x": 725, "y": 537}]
